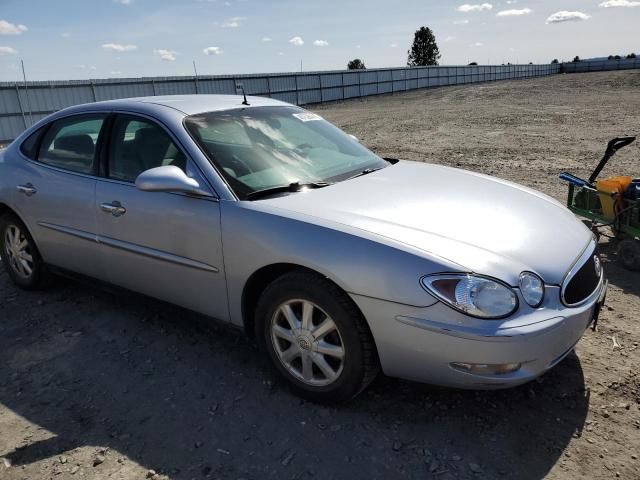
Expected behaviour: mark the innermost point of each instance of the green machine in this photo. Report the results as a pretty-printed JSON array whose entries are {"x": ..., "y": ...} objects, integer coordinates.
[{"x": 613, "y": 202}]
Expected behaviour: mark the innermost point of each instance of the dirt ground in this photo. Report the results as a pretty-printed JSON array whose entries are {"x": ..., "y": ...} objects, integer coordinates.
[{"x": 97, "y": 384}]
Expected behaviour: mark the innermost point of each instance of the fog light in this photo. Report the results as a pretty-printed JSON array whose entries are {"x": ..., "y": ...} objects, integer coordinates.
[{"x": 487, "y": 369}]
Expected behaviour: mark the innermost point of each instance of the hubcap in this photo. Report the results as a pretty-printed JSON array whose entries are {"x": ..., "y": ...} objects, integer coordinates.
[
  {"x": 307, "y": 342},
  {"x": 18, "y": 251}
]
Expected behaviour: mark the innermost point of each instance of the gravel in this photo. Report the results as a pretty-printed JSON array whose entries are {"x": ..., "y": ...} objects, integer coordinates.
[{"x": 88, "y": 374}]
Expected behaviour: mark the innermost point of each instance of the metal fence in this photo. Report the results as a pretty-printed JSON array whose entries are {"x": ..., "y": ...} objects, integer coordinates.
[
  {"x": 21, "y": 105},
  {"x": 600, "y": 65}
]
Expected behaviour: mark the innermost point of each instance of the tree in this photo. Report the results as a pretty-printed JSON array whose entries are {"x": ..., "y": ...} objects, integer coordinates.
[
  {"x": 356, "y": 64},
  {"x": 555, "y": 60},
  {"x": 473, "y": 64},
  {"x": 631, "y": 55},
  {"x": 610, "y": 57},
  {"x": 424, "y": 50},
  {"x": 617, "y": 57},
  {"x": 576, "y": 59}
]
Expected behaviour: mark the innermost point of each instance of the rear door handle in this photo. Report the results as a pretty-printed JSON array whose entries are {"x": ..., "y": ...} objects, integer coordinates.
[
  {"x": 27, "y": 189},
  {"x": 114, "y": 208}
]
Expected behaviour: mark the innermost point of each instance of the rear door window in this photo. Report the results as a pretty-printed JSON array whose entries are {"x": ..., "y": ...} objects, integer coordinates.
[{"x": 70, "y": 143}]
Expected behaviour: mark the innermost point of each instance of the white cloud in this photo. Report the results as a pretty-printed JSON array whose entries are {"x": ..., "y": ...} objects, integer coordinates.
[
  {"x": 619, "y": 3},
  {"x": 212, "y": 51},
  {"x": 280, "y": 53},
  {"x": 394, "y": 45},
  {"x": 118, "y": 47},
  {"x": 565, "y": 16},
  {"x": 233, "y": 22},
  {"x": 449, "y": 39},
  {"x": 297, "y": 41},
  {"x": 266, "y": 39},
  {"x": 320, "y": 43},
  {"x": 115, "y": 72},
  {"x": 357, "y": 46},
  {"x": 7, "y": 28},
  {"x": 477, "y": 44},
  {"x": 87, "y": 67},
  {"x": 123, "y": 2},
  {"x": 461, "y": 22},
  {"x": 479, "y": 7},
  {"x": 514, "y": 12},
  {"x": 166, "y": 55},
  {"x": 66, "y": 34},
  {"x": 7, "y": 51}
]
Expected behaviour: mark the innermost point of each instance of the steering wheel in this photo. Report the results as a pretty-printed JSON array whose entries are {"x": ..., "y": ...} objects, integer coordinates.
[
  {"x": 238, "y": 166},
  {"x": 302, "y": 147}
]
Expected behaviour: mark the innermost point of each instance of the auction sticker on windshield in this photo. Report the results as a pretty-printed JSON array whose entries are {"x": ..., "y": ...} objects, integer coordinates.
[{"x": 307, "y": 116}]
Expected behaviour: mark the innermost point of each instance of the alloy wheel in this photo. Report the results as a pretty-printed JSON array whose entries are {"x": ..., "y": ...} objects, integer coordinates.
[
  {"x": 307, "y": 342},
  {"x": 18, "y": 251}
]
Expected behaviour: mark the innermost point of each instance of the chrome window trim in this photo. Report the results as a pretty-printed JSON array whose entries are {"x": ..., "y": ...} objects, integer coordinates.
[{"x": 588, "y": 252}]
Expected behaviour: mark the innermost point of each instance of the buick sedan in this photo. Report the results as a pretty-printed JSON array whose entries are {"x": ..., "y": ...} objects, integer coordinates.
[{"x": 339, "y": 262}]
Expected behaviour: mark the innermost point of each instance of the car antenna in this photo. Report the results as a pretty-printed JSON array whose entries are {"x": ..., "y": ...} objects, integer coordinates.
[{"x": 244, "y": 102}]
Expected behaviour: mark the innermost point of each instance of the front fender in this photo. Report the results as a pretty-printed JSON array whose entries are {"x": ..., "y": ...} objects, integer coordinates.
[{"x": 355, "y": 260}]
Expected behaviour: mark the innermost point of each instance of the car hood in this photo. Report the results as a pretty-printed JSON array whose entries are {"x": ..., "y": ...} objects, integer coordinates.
[{"x": 480, "y": 223}]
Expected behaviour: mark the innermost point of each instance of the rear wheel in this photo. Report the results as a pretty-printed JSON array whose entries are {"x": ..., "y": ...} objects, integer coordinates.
[
  {"x": 629, "y": 254},
  {"x": 19, "y": 253},
  {"x": 316, "y": 338}
]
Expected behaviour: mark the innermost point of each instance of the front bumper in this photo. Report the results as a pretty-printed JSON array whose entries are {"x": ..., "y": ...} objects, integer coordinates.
[{"x": 420, "y": 344}]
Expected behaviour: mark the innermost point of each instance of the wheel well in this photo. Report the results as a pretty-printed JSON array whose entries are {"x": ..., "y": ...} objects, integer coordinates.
[
  {"x": 256, "y": 284},
  {"x": 4, "y": 209}
]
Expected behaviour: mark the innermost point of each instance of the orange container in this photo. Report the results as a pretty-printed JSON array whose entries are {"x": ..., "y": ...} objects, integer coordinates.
[{"x": 608, "y": 189}]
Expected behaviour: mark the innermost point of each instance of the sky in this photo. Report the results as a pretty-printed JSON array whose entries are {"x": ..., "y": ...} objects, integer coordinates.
[{"x": 80, "y": 39}]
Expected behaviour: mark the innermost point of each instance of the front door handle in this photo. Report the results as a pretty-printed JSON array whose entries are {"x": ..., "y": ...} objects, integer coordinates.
[
  {"x": 27, "y": 189},
  {"x": 114, "y": 208}
]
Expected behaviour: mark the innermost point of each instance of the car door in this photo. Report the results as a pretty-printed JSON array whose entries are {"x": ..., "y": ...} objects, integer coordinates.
[
  {"x": 55, "y": 191},
  {"x": 166, "y": 245}
]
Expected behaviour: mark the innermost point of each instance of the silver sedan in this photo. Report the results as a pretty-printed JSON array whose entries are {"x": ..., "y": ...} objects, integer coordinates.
[{"x": 340, "y": 263}]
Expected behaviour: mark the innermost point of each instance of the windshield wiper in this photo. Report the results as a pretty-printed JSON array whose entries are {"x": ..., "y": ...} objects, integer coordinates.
[
  {"x": 366, "y": 171},
  {"x": 292, "y": 187}
]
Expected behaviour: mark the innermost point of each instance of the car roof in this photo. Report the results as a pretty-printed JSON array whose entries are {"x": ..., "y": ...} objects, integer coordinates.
[{"x": 190, "y": 104}]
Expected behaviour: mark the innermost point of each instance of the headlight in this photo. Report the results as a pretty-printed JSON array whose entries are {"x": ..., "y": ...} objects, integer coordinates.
[
  {"x": 532, "y": 288},
  {"x": 476, "y": 296}
]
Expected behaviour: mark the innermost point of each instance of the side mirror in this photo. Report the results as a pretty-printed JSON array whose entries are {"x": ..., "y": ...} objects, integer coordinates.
[{"x": 169, "y": 178}]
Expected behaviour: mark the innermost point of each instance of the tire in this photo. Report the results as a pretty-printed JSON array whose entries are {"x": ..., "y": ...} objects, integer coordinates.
[
  {"x": 629, "y": 254},
  {"x": 305, "y": 349},
  {"x": 21, "y": 260}
]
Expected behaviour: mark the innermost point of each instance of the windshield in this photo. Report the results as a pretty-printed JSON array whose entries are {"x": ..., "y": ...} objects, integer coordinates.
[{"x": 264, "y": 147}]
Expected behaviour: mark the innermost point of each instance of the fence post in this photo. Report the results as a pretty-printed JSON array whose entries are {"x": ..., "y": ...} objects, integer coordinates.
[
  {"x": 93, "y": 90},
  {"x": 24, "y": 119}
]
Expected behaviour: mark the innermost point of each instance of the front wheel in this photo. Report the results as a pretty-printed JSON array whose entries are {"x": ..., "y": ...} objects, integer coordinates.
[{"x": 316, "y": 338}]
